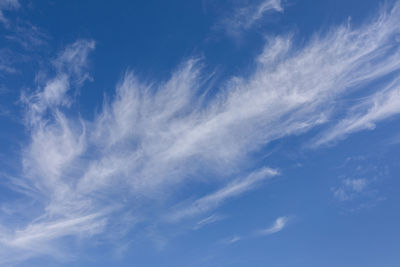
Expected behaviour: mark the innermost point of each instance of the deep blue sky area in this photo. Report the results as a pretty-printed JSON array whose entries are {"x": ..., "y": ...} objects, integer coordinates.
[{"x": 200, "y": 133}]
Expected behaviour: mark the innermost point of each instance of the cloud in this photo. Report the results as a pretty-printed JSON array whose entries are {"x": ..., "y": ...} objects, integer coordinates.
[
  {"x": 20, "y": 30},
  {"x": 208, "y": 220},
  {"x": 356, "y": 185},
  {"x": 277, "y": 226},
  {"x": 233, "y": 189},
  {"x": 152, "y": 137},
  {"x": 45, "y": 237},
  {"x": 377, "y": 107},
  {"x": 7, "y": 5},
  {"x": 159, "y": 127},
  {"x": 245, "y": 17},
  {"x": 232, "y": 240},
  {"x": 350, "y": 189},
  {"x": 55, "y": 143},
  {"x": 71, "y": 71},
  {"x": 6, "y": 62},
  {"x": 41, "y": 233},
  {"x": 27, "y": 35}
]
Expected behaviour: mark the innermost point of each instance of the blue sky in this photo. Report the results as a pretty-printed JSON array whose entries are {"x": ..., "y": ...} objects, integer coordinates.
[{"x": 200, "y": 133}]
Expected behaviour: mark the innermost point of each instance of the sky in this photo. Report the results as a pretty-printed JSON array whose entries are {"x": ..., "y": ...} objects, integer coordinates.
[{"x": 200, "y": 133}]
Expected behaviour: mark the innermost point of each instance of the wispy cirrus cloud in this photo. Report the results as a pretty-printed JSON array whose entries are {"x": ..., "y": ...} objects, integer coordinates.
[
  {"x": 6, "y": 62},
  {"x": 52, "y": 148},
  {"x": 208, "y": 220},
  {"x": 139, "y": 145},
  {"x": 213, "y": 200},
  {"x": 359, "y": 185},
  {"x": 17, "y": 31},
  {"x": 27, "y": 35},
  {"x": 246, "y": 16},
  {"x": 375, "y": 108},
  {"x": 6, "y": 5},
  {"x": 277, "y": 226},
  {"x": 350, "y": 188}
]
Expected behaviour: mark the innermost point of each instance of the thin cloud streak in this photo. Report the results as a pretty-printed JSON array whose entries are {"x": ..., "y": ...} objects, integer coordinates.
[
  {"x": 245, "y": 17},
  {"x": 278, "y": 226},
  {"x": 208, "y": 220},
  {"x": 380, "y": 106},
  {"x": 7, "y": 5},
  {"x": 213, "y": 200}
]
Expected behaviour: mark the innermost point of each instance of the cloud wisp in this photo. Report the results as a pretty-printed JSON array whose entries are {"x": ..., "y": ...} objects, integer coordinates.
[
  {"x": 377, "y": 107},
  {"x": 6, "y": 5},
  {"x": 150, "y": 138},
  {"x": 277, "y": 226},
  {"x": 54, "y": 145},
  {"x": 245, "y": 17},
  {"x": 213, "y": 200},
  {"x": 350, "y": 188},
  {"x": 208, "y": 220}
]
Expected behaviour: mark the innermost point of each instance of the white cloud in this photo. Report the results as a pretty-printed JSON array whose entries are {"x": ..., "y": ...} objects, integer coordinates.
[
  {"x": 6, "y": 63},
  {"x": 245, "y": 17},
  {"x": 380, "y": 106},
  {"x": 277, "y": 226},
  {"x": 213, "y": 200},
  {"x": 208, "y": 220},
  {"x": 56, "y": 142},
  {"x": 159, "y": 127},
  {"x": 73, "y": 60},
  {"x": 41, "y": 233},
  {"x": 356, "y": 185},
  {"x": 151, "y": 137},
  {"x": 350, "y": 189},
  {"x": 43, "y": 237},
  {"x": 233, "y": 239},
  {"x": 7, "y": 5},
  {"x": 27, "y": 35},
  {"x": 19, "y": 30}
]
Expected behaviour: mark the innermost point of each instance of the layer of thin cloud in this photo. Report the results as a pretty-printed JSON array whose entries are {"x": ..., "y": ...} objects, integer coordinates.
[
  {"x": 7, "y": 5},
  {"x": 28, "y": 36},
  {"x": 245, "y": 17},
  {"x": 350, "y": 189},
  {"x": 151, "y": 137},
  {"x": 6, "y": 62},
  {"x": 54, "y": 145}
]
